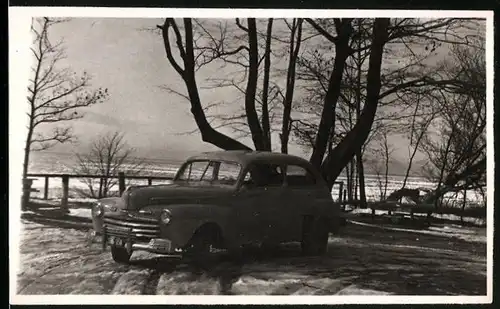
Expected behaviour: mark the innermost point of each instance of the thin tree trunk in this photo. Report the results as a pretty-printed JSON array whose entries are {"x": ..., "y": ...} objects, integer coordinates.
[
  {"x": 356, "y": 183},
  {"x": 290, "y": 83},
  {"x": 25, "y": 194},
  {"x": 359, "y": 156},
  {"x": 386, "y": 172},
  {"x": 27, "y": 150},
  {"x": 421, "y": 135},
  {"x": 463, "y": 206},
  {"x": 348, "y": 176},
  {"x": 265, "y": 88},
  {"x": 351, "y": 177},
  {"x": 361, "y": 173}
]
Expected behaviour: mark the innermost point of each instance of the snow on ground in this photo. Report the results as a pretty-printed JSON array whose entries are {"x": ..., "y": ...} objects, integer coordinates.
[
  {"x": 470, "y": 234},
  {"x": 361, "y": 261},
  {"x": 451, "y": 217}
]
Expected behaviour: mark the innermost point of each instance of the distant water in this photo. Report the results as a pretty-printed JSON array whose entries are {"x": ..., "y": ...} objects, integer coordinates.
[
  {"x": 61, "y": 163},
  {"x": 51, "y": 162}
]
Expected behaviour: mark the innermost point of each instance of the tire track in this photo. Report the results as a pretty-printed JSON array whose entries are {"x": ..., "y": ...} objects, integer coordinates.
[{"x": 47, "y": 271}]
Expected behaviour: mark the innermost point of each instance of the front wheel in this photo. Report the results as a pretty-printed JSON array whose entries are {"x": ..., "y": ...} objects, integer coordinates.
[
  {"x": 120, "y": 255},
  {"x": 201, "y": 250},
  {"x": 314, "y": 236}
]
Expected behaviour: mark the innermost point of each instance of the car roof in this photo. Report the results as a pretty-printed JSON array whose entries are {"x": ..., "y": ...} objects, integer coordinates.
[{"x": 245, "y": 157}]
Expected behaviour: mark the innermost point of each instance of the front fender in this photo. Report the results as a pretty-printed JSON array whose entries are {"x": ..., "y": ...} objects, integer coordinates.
[{"x": 187, "y": 218}]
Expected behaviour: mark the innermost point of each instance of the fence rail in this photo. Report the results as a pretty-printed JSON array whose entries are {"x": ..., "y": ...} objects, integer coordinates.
[{"x": 27, "y": 183}]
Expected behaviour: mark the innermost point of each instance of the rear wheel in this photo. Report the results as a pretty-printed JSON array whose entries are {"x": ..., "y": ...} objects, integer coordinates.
[
  {"x": 120, "y": 254},
  {"x": 314, "y": 236}
]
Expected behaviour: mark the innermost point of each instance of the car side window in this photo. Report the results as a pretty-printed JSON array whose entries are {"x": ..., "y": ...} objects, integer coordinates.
[
  {"x": 298, "y": 176},
  {"x": 198, "y": 171},
  {"x": 228, "y": 173},
  {"x": 264, "y": 175}
]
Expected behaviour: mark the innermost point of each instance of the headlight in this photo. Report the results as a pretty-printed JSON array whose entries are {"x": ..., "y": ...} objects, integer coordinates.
[
  {"x": 165, "y": 216},
  {"x": 97, "y": 210}
]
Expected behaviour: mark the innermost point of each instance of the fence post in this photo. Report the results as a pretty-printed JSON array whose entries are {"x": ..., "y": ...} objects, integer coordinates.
[
  {"x": 65, "y": 185},
  {"x": 463, "y": 207},
  {"x": 341, "y": 187},
  {"x": 26, "y": 193},
  {"x": 46, "y": 188},
  {"x": 121, "y": 182},
  {"x": 150, "y": 181}
]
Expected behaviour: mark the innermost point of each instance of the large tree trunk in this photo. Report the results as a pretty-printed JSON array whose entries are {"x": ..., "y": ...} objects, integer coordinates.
[
  {"x": 342, "y": 51},
  {"x": 253, "y": 71},
  {"x": 354, "y": 140},
  {"x": 208, "y": 133}
]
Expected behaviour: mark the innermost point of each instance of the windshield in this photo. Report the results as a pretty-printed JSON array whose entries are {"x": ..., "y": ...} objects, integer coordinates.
[{"x": 209, "y": 172}]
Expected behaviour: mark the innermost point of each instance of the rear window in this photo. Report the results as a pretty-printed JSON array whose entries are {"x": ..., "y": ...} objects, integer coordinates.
[{"x": 298, "y": 176}]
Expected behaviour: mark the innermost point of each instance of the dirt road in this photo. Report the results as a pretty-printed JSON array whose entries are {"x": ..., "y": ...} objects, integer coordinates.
[{"x": 363, "y": 260}]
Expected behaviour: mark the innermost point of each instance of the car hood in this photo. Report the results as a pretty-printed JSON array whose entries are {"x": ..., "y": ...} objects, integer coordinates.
[{"x": 161, "y": 195}]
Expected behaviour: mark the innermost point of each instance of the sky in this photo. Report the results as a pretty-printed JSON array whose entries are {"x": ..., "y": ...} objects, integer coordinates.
[
  {"x": 128, "y": 59},
  {"x": 122, "y": 56}
]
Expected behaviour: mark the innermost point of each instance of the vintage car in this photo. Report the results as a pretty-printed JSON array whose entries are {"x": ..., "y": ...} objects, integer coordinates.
[{"x": 221, "y": 200}]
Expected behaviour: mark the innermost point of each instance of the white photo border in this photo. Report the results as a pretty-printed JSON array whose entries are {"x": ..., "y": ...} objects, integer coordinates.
[{"x": 20, "y": 38}]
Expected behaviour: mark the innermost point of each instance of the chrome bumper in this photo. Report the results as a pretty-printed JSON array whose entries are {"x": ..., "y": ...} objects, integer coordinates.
[{"x": 155, "y": 245}]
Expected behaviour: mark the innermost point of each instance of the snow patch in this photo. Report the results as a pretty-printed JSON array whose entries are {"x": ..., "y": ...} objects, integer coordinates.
[
  {"x": 249, "y": 285},
  {"x": 356, "y": 290},
  {"x": 179, "y": 283},
  {"x": 131, "y": 283},
  {"x": 81, "y": 212}
]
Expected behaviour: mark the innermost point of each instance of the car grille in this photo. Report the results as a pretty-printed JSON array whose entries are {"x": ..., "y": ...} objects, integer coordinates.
[{"x": 131, "y": 227}]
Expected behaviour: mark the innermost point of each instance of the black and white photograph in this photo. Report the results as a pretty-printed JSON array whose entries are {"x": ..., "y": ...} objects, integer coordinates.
[{"x": 183, "y": 156}]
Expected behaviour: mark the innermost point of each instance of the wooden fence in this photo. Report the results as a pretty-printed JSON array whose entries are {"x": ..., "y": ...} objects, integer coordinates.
[{"x": 27, "y": 183}]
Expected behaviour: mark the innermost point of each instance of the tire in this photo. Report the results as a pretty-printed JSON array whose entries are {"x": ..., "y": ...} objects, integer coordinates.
[
  {"x": 199, "y": 250},
  {"x": 120, "y": 255},
  {"x": 314, "y": 236}
]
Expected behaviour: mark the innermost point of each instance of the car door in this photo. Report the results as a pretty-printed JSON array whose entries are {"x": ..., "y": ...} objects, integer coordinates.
[
  {"x": 257, "y": 213},
  {"x": 301, "y": 195}
]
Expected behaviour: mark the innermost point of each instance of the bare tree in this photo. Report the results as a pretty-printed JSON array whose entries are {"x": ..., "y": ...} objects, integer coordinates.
[
  {"x": 457, "y": 159},
  {"x": 383, "y": 153},
  {"x": 55, "y": 93},
  {"x": 343, "y": 51},
  {"x": 107, "y": 156},
  {"x": 376, "y": 38},
  {"x": 410, "y": 47},
  {"x": 418, "y": 130}
]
